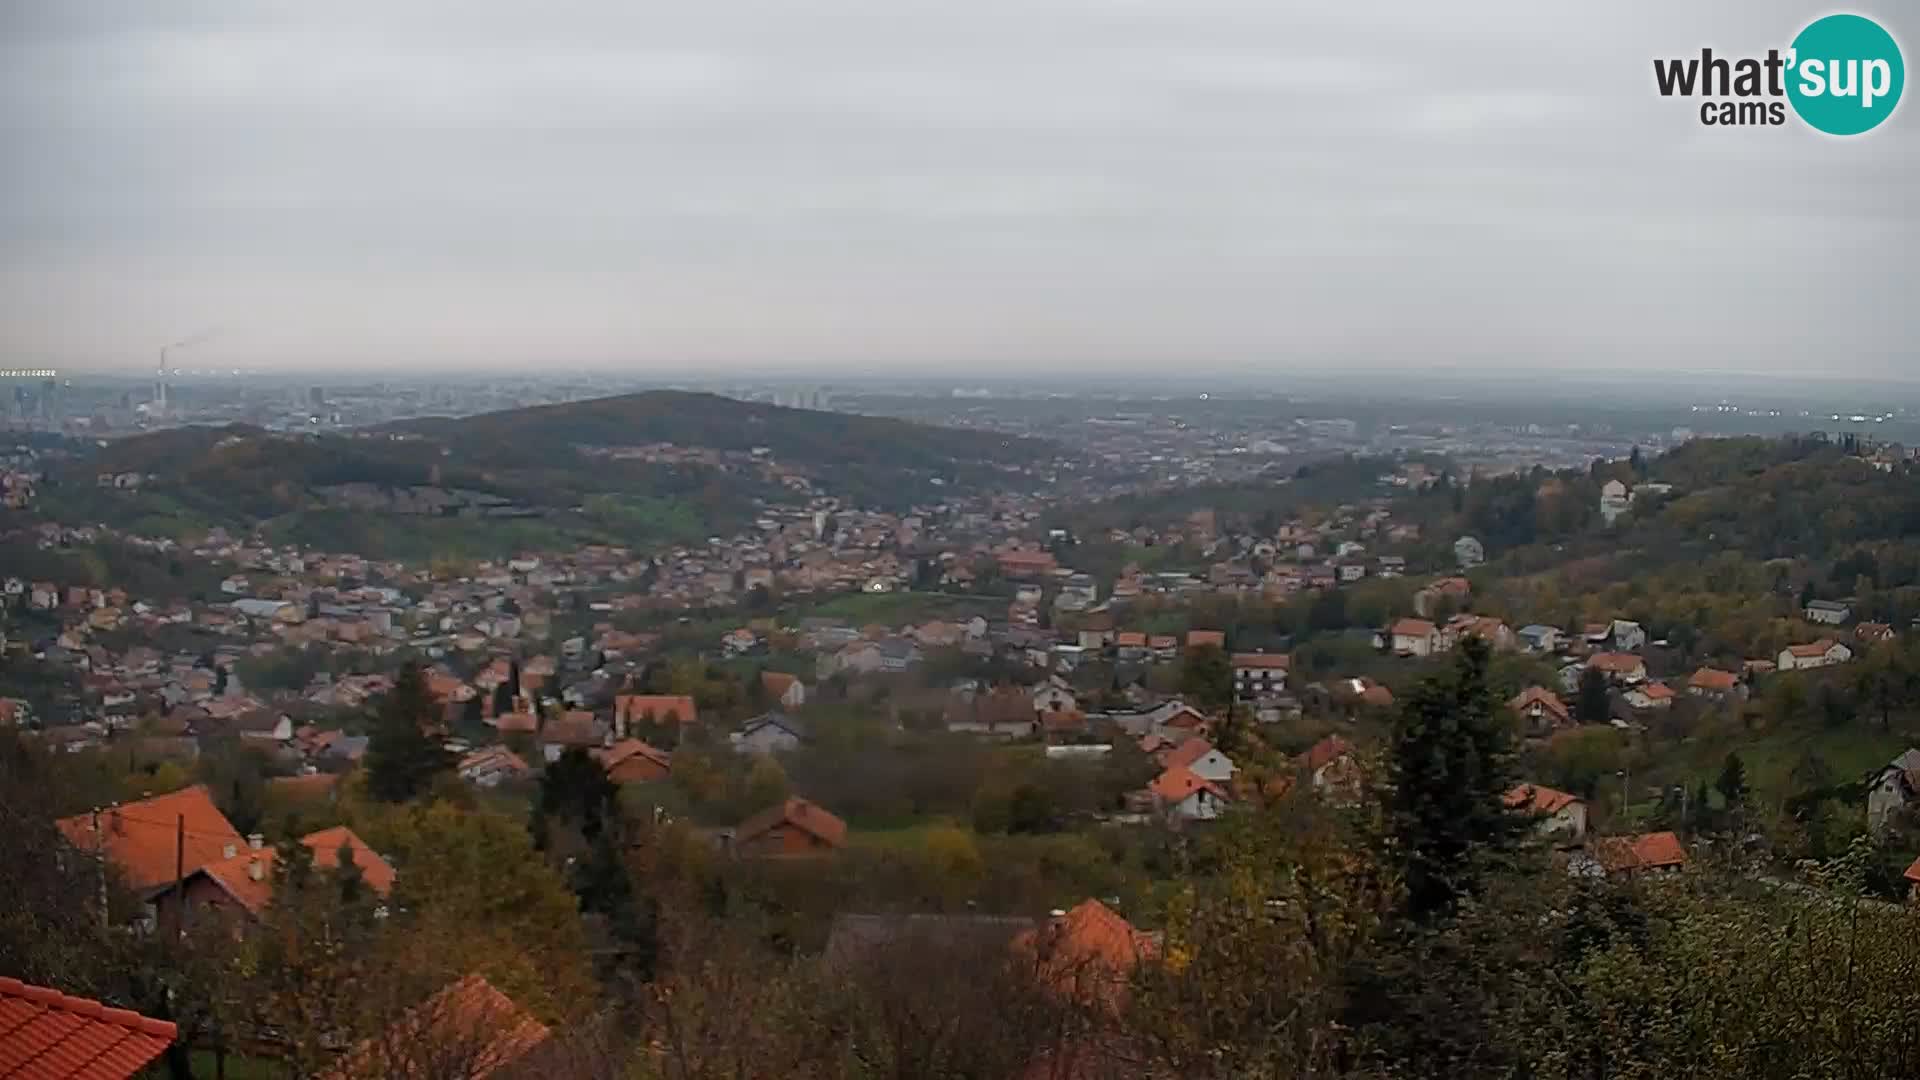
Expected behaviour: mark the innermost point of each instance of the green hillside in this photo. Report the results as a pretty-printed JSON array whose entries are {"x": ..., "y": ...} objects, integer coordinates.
[{"x": 517, "y": 478}]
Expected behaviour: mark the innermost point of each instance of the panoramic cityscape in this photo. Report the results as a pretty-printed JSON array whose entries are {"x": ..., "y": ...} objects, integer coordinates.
[{"x": 1043, "y": 542}]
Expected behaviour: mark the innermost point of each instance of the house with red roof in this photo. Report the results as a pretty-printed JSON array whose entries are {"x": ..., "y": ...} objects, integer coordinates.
[
  {"x": 1087, "y": 954},
  {"x": 1413, "y": 637},
  {"x": 45, "y": 1033},
  {"x": 1815, "y": 654},
  {"x": 243, "y": 884},
  {"x": 1715, "y": 684},
  {"x": 1202, "y": 757},
  {"x": 631, "y": 710},
  {"x": 1541, "y": 709},
  {"x": 469, "y": 1030},
  {"x": 784, "y": 688},
  {"x": 1641, "y": 853},
  {"x": 152, "y": 841},
  {"x": 1258, "y": 674},
  {"x": 795, "y": 827},
  {"x": 1182, "y": 793},
  {"x": 631, "y": 761},
  {"x": 1653, "y": 695},
  {"x": 1560, "y": 815}
]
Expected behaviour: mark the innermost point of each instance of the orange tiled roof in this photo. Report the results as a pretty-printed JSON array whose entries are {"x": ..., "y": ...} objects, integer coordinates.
[
  {"x": 621, "y": 751},
  {"x": 1811, "y": 649},
  {"x": 1130, "y": 639},
  {"x": 1197, "y": 638},
  {"x": 633, "y": 707},
  {"x": 1411, "y": 628},
  {"x": 1913, "y": 872},
  {"x": 1645, "y": 851},
  {"x": 777, "y": 683},
  {"x": 45, "y": 1033},
  {"x": 141, "y": 837},
  {"x": 1713, "y": 679},
  {"x": 1187, "y": 753},
  {"x": 1325, "y": 752},
  {"x": 236, "y": 875},
  {"x": 1178, "y": 782},
  {"x": 799, "y": 813},
  {"x": 1091, "y": 940},
  {"x": 469, "y": 1020},
  {"x": 1617, "y": 663},
  {"x": 1546, "y": 698},
  {"x": 1271, "y": 661},
  {"x": 1538, "y": 799}
]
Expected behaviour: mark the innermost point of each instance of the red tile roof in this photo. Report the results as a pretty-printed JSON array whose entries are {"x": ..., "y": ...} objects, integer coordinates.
[
  {"x": 634, "y": 707},
  {"x": 1411, "y": 628},
  {"x": 48, "y": 1035},
  {"x": 614, "y": 756},
  {"x": 1197, "y": 638},
  {"x": 1187, "y": 753},
  {"x": 1645, "y": 851},
  {"x": 1616, "y": 663},
  {"x": 236, "y": 875},
  {"x": 1913, "y": 872},
  {"x": 1271, "y": 661},
  {"x": 470, "y": 1027},
  {"x": 140, "y": 838},
  {"x": 777, "y": 683},
  {"x": 1548, "y": 701},
  {"x": 799, "y": 813},
  {"x": 1713, "y": 680},
  {"x": 1178, "y": 782},
  {"x": 1087, "y": 952},
  {"x": 1325, "y": 752},
  {"x": 1539, "y": 800},
  {"x": 1811, "y": 649}
]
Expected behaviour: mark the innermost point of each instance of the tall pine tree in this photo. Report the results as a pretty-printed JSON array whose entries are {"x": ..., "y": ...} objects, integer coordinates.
[
  {"x": 403, "y": 756},
  {"x": 1451, "y": 766}
]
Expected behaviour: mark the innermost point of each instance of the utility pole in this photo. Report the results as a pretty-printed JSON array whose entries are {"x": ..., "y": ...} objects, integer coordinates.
[
  {"x": 179, "y": 875},
  {"x": 100, "y": 866}
]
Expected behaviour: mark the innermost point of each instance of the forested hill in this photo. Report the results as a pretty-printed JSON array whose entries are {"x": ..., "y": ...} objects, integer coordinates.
[
  {"x": 795, "y": 436},
  {"x": 538, "y": 476}
]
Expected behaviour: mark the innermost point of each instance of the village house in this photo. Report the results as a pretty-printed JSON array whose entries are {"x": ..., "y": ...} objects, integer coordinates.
[
  {"x": 241, "y": 885},
  {"x": 1414, "y": 637},
  {"x": 630, "y": 711},
  {"x": 795, "y": 827},
  {"x": 1469, "y": 552},
  {"x": 1448, "y": 593},
  {"x": 1330, "y": 768},
  {"x": 1892, "y": 788},
  {"x": 1537, "y": 638},
  {"x": 630, "y": 761},
  {"x": 491, "y": 766},
  {"x": 1827, "y": 611},
  {"x": 1257, "y": 675},
  {"x": 1817, "y": 654},
  {"x": 785, "y": 690},
  {"x": 1541, "y": 709},
  {"x": 1181, "y": 793},
  {"x": 1632, "y": 856},
  {"x": 1561, "y": 816},
  {"x": 1619, "y": 667},
  {"x": 1653, "y": 695},
  {"x": 1715, "y": 685},
  {"x": 154, "y": 840},
  {"x": 1202, "y": 757},
  {"x": 769, "y": 733}
]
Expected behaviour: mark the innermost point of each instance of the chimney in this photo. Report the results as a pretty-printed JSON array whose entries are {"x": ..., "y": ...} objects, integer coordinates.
[
  {"x": 257, "y": 869},
  {"x": 256, "y": 841},
  {"x": 228, "y": 851}
]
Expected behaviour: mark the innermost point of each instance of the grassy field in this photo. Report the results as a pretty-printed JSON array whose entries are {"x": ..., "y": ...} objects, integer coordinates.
[{"x": 1849, "y": 752}]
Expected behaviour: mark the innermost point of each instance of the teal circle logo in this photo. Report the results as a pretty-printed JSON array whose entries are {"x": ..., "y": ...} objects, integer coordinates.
[{"x": 1845, "y": 74}]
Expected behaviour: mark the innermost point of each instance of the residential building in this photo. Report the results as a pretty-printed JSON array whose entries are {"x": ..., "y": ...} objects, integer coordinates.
[
  {"x": 1180, "y": 792},
  {"x": 1414, "y": 637},
  {"x": 1817, "y": 654},
  {"x": 1469, "y": 552},
  {"x": 51, "y": 1034},
  {"x": 1631, "y": 856},
  {"x": 1715, "y": 684},
  {"x": 769, "y": 733},
  {"x": 631, "y": 761},
  {"x": 1541, "y": 709},
  {"x": 794, "y": 827},
  {"x": 1260, "y": 674},
  {"x": 491, "y": 766},
  {"x": 1827, "y": 611},
  {"x": 152, "y": 841},
  {"x": 1561, "y": 816},
  {"x": 1892, "y": 788},
  {"x": 1202, "y": 757}
]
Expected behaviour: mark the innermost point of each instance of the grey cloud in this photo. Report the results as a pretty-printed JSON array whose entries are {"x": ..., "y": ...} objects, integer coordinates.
[{"x": 904, "y": 184}]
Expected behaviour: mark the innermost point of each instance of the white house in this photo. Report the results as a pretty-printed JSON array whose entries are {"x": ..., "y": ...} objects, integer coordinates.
[
  {"x": 1260, "y": 674},
  {"x": 1627, "y": 635},
  {"x": 1469, "y": 552},
  {"x": 1614, "y": 500},
  {"x": 1826, "y": 611},
  {"x": 1815, "y": 654},
  {"x": 1180, "y": 792},
  {"x": 1204, "y": 758},
  {"x": 1414, "y": 637},
  {"x": 1893, "y": 788}
]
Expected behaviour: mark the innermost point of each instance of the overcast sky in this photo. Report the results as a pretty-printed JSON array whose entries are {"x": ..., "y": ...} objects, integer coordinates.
[{"x": 912, "y": 187}]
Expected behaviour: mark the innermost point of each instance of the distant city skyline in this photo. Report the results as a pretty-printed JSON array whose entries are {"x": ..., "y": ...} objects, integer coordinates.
[{"x": 996, "y": 190}]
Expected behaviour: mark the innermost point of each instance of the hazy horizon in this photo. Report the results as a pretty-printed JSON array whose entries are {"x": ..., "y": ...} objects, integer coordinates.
[{"x": 911, "y": 190}]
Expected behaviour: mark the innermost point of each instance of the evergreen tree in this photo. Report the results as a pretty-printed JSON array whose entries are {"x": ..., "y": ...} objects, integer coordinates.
[
  {"x": 575, "y": 793},
  {"x": 1591, "y": 705},
  {"x": 1451, "y": 765},
  {"x": 1207, "y": 677},
  {"x": 402, "y": 757},
  {"x": 1732, "y": 782},
  {"x": 502, "y": 700}
]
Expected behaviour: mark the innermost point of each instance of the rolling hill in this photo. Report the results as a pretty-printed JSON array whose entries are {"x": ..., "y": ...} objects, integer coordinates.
[{"x": 550, "y": 474}]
